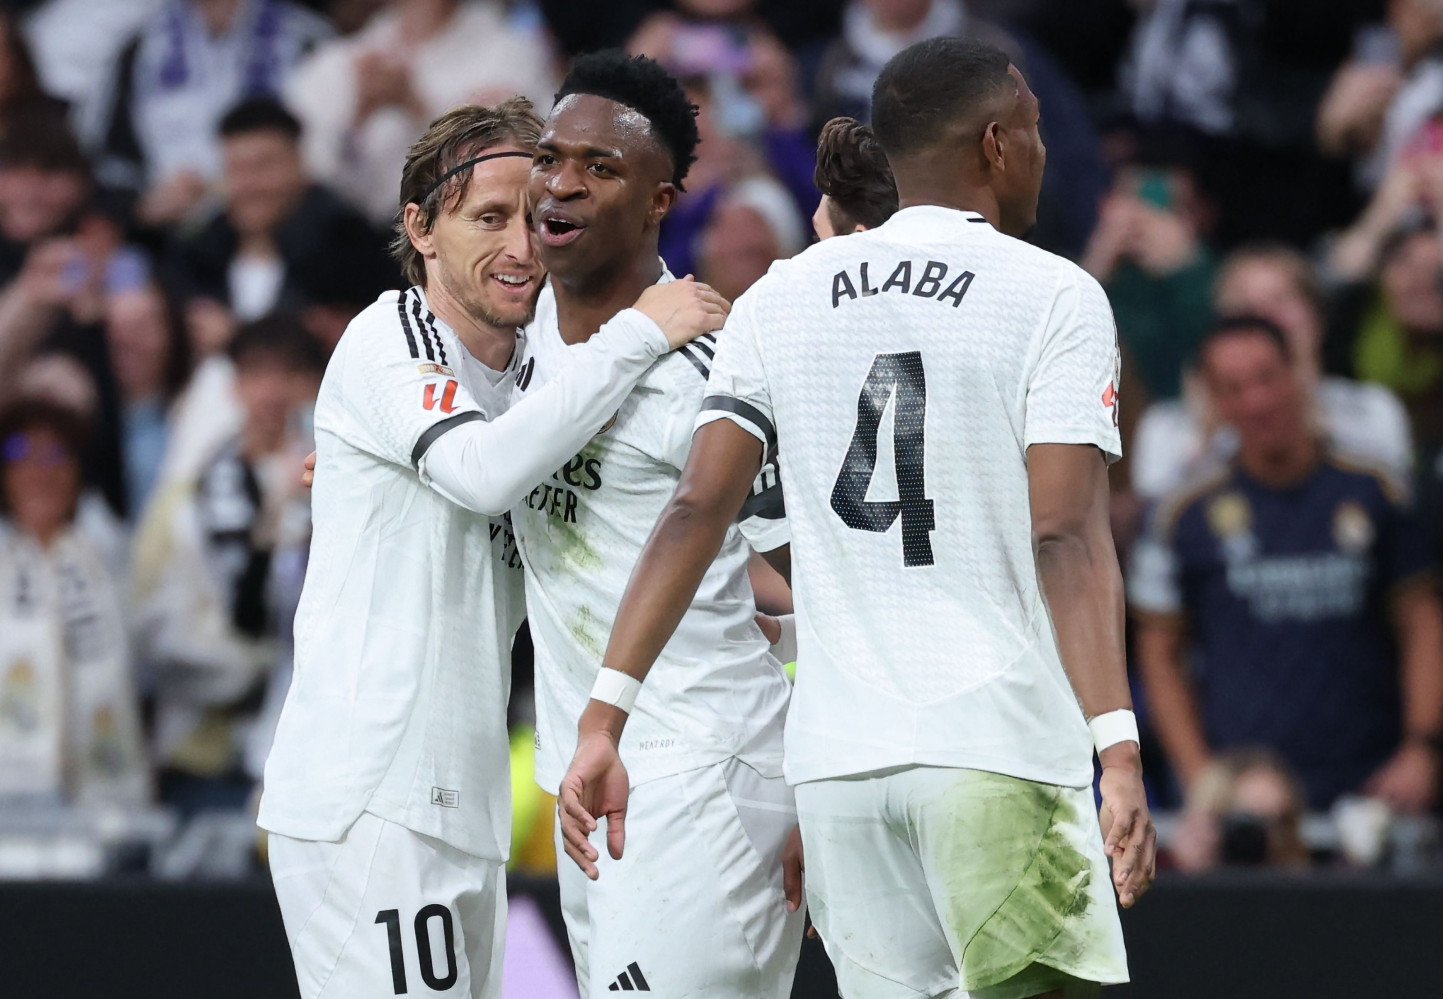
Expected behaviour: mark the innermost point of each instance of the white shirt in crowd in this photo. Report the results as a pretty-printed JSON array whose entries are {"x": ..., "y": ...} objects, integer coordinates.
[
  {"x": 477, "y": 56},
  {"x": 413, "y": 593},
  {"x": 1364, "y": 420},
  {"x": 716, "y": 692},
  {"x": 903, "y": 372}
]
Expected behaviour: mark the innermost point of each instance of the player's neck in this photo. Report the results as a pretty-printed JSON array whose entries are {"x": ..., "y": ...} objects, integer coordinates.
[
  {"x": 1279, "y": 468},
  {"x": 585, "y": 304},
  {"x": 491, "y": 345},
  {"x": 931, "y": 183}
]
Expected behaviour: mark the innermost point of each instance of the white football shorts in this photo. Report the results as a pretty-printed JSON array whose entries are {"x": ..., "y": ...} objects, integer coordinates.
[
  {"x": 694, "y": 908},
  {"x": 936, "y": 881},
  {"x": 385, "y": 911}
]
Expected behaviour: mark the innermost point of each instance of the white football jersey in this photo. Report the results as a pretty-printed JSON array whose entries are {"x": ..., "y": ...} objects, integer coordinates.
[
  {"x": 715, "y": 691},
  {"x": 903, "y": 372},
  {"x": 405, "y": 624}
]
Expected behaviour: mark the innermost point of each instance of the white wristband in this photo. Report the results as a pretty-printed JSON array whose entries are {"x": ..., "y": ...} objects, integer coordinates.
[
  {"x": 1113, "y": 727},
  {"x": 614, "y": 687}
]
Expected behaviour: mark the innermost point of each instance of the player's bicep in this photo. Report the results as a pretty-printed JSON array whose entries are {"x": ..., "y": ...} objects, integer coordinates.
[
  {"x": 1071, "y": 395},
  {"x": 720, "y": 470}
]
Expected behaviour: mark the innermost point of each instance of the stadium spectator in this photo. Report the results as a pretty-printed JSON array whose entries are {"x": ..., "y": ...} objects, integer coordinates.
[
  {"x": 188, "y": 64},
  {"x": 1287, "y": 601},
  {"x": 278, "y": 237},
  {"x": 754, "y": 225},
  {"x": 1148, "y": 252},
  {"x": 1244, "y": 810},
  {"x": 202, "y": 582},
  {"x": 69, "y": 717},
  {"x": 1178, "y": 440},
  {"x": 365, "y": 98},
  {"x": 149, "y": 354},
  {"x": 1379, "y": 103},
  {"x": 875, "y": 30}
]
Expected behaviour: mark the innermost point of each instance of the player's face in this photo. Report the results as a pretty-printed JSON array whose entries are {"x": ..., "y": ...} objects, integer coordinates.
[
  {"x": 600, "y": 185},
  {"x": 1256, "y": 390},
  {"x": 1022, "y": 183},
  {"x": 483, "y": 253}
]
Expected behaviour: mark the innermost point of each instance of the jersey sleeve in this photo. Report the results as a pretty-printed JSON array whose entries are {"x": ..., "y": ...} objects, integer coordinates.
[
  {"x": 737, "y": 389},
  {"x": 1403, "y": 552},
  {"x": 397, "y": 393},
  {"x": 1072, "y": 389},
  {"x": 1153, "y": 585}
]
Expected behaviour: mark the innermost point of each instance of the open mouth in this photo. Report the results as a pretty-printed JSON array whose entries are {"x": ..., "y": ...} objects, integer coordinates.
[
  {"x": 559, "y": 230},
  {"x": 513, "y": 282}
]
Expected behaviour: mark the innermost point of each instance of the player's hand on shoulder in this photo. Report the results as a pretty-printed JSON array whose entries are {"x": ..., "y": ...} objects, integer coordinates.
[
  {"x": 1130, "y": 841},
  {"x": 684, "y": 309},
  {"x": 596, "y": 784},
  {"x": 308, "y": 470}
]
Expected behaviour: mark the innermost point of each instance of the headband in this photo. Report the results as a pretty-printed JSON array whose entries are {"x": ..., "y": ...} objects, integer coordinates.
[{"x": 466, "y": 166}]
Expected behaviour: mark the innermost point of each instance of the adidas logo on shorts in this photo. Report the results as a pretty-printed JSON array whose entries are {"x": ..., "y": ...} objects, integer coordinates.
[{"x": 630, "y": 980}]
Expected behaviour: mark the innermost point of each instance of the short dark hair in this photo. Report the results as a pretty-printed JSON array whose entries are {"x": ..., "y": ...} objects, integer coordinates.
[
  {"x": 927, "y": 86},
  {"x": 259, "y": 114},
  {"x": 29, "y": 414},
  {"x": 40, "y": 137},
  {"x": 1231, "y": 326},
  {"x": 853, "y": 171},
  {"x": 280, "y": 337},
  {"x": 647, "y": 88}
]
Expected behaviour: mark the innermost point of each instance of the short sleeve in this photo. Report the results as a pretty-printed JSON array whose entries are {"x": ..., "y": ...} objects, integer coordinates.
[
  {"x": 1072, "y": 389},
  {"x": 399, "y": 392},
  {"x": 1403, "y": 551},
  {"x": 1153, "y": 585},
  {"x": 737, "y": 389}
]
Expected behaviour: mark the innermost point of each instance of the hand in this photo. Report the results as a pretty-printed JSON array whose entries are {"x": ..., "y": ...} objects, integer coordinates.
[
  {"x": 595, "y": 784},
  {"x": 1115, "y": 232},
  {"x": 1128, "y": 836},
  {"x": 1409, "y": 780},
  {"x": 171, "y": 200},
  {"x": 1350, "y": 116},
  {"x": 1165, "y": 241},
  {"x": 683, "y": 309},
  {"x": 771, "y": 627},
  {"x": 792, "y": 869},
  {"x": 383, "y": 80},
  {"x": 308, "y": 470},
  {"x": 54, "y": 273}
]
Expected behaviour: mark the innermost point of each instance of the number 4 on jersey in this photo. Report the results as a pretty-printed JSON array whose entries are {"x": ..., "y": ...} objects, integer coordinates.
[{"x": 900, "y": 375}]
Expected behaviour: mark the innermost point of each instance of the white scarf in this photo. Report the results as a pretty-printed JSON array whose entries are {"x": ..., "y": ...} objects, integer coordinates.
[
  {"x": 874, "y": 46},
  {"x": 69, "y": 716}
]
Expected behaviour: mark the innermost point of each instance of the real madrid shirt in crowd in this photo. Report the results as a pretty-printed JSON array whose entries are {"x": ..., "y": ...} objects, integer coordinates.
[
  {"x": 69, "y": 718},
  {"x": 1285, "y": 594},
  {"x": 715, "y": 691}
]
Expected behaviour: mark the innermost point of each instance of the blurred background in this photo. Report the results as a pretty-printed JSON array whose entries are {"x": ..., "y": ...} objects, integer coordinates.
[{"x": 195, "y": 197}]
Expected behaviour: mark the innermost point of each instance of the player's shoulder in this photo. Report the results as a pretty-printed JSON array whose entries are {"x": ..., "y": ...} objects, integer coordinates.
[
  {"x": 686, "y": 369},
  {"x": 396, "y": 326},
  {"x": 1370, "y": 480}
]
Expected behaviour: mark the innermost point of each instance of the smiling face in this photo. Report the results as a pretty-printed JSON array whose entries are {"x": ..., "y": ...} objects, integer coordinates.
[
  {"x": 600, "y": 186},
  {"x": 479, "y": 250}
]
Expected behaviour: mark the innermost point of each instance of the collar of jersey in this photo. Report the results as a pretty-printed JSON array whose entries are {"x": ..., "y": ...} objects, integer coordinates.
[{"x": 926, "y": 219}]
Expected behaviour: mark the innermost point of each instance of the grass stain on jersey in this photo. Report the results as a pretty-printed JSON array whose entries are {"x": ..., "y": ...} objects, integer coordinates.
[
  {"x": 571, "y": 548},
  {"x": 585, "y": 629},
  {"x": 1017, "y": 884}
]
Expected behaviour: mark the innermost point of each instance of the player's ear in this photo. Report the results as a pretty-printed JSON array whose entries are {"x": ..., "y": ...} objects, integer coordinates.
[
  {"x": 994, "y": 146},
  {"x": 661, "y": 201},
  {"x": 420, "y": 239}
]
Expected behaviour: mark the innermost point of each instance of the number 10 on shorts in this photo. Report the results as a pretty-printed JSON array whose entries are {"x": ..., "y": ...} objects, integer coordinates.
[{"x": 392, "y": 920}]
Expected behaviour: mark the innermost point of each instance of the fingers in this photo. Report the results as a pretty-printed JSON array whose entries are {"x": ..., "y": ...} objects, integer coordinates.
[
  {"x": 1118, "y": 832},
  {"x": 576, "y": 824},
  {"x": 792, "y": 869},
  {"x": 1142, "y": 866},
  {"x": 616, "y": 831}
]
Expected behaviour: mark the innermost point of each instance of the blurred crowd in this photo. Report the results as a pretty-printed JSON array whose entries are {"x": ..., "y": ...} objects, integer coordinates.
[{"x": 196, "y": 196}]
